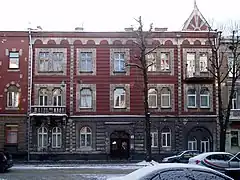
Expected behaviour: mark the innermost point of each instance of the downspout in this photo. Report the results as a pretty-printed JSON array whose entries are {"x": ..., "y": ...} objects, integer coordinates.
[{"x": 30, "y": 70}]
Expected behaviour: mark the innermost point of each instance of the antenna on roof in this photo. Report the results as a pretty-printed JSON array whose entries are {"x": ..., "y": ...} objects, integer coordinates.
[{"x": 195, "y": 4}]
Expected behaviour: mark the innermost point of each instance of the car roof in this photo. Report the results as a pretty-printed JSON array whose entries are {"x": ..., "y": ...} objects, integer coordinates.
[
  {"x": 159, "y": 167},
  {"x": 203, "y": 155}
]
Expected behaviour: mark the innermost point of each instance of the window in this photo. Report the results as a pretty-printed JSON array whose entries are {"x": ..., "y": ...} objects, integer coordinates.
[
  {"x": 151, "y": 59},
  {"x": 119, "y": 62},
  {"x": 86, "y": 59},
  {"x": 85, "y": 137},
  {"x": 190, "y": 64},
  {"x": 230, "y": 65},
  {"x": 191, "y": 98},
  {"x": 202, "y": 175},
  {"x": 234, "y": 138},
  {"x": 175, "y": 174},
  {"x": 13, "y": 97},
  {"x": 205, "y": 145},
  {"x": 154, "y": 136},
  {"x": 152, "y": 98},
  {"x": 43, "y": 97},
  {"x": 11, "y": 132},
  {"x": 57, "y": 97},
  {"x": 57, "y": 61},
  {"x": 44, "y": 61},
  {"x": 165, "y": 61},
  {"x": 86, "y": 98},
  {"x": 203, "y": 62},
  {"x": 14, "y": 60},
  {"x": 166, "y": 137},
  {"x": 192, "y": 144},
  {"x": 119, "y": 98},
  {"x": 56, "y": 137},
  {"x": 165, "y": 98},
  {"x": 42, "y": 137},
  {"x": 234, "y": 100},
  {"x": 204, "y": 98}
]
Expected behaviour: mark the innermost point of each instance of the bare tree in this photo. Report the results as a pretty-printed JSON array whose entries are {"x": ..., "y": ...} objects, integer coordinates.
[
  {"x": 225, "y": 68},
  {"x": 142, "y": 64}
]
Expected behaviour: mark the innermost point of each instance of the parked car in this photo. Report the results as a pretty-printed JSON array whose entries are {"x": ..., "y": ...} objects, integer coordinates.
[
  {"x": 6, "y": 161},
  {"x": 172, "y": 171},
  {"x": 216, "y": 160},
  {"x": 181, "y": 157}
]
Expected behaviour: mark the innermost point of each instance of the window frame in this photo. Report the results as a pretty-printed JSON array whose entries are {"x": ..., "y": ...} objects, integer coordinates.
[
  {"x": 10, "y": 128},
  {"x": 57, "y": 96},
  {"x": 42, "y": 133},
  {"x": 14, "y": 58},
  {"x": 206, "y": 144},
  {"x": 203, "y": 54},
  {"x": 55, "y": 135},
  {"x": 205, "y": 93},
  {"x": 163, "y": 62},
  {"x": 234, "y": 100},
  {"x": 153, "y": 143},
  {"x": 115, "y": 96},
  {"x": 83, "y": 131},
  {"x": 88, "y": 61},
  {"x": 152, "y": 59},
  {"x": 192, "y": 95},
  {"x": 15, "y": 98},
  {"x": 86, "y": 96},
  {"x": 163, "y": 94},
  {"x": 237, "y": 137},
  {"x": 191, "y": 69},
  {"x": 153, "y": 94},
  {"x": 118, "y": 61},
  {"x": 44, "y": 96},
  {"x": 192, "y": 142},
  {"x": 56, "y": 60},
  {"x": 166, "y": 134}
]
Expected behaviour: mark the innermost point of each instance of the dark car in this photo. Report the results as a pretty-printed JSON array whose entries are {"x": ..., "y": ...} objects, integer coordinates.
[
  {"x": 181, "y": 157},
  {"x": 6, "y": 161}
]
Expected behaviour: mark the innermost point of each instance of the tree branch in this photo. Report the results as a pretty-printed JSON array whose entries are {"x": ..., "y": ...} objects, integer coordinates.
[{"x": 134, "y": 65}]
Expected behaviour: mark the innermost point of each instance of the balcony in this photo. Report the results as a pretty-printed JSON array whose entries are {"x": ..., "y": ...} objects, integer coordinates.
[
  {"x": 201, "y": 76},
  {"x": 48, "y": 111},
  {"x": 234, "y": 115}
]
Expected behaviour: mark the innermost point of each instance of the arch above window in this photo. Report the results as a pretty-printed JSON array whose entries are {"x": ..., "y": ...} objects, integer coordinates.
[
  {"x": 57, "y": 97},
  {"x": 165, "y": 98},
  {"x": 152, "y": 98},
  {"x": 204, "y": 98},
  {"x": 43, "y": 96},
  {"x": 85, "y": 137},
  {"x": 86, "y": 97}
]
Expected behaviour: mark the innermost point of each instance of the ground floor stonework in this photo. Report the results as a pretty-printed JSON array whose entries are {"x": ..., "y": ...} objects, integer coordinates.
[{"x": 102, "y": 138}]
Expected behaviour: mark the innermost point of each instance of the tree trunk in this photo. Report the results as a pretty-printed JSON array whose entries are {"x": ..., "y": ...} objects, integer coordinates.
[
  {"x": 148, "y": 138},
  {"x": 222, "y": 139}
]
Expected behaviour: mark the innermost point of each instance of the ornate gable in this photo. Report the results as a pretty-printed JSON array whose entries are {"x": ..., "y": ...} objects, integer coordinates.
[{"x": 196, "y": 21}]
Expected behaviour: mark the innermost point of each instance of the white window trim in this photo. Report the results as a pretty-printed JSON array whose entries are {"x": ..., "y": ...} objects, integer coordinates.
[
  {"x": 152, "y": 94},
  {"x": 200, "y": 60},
  {"x": 166, "y": 140},
  {"x": 164, "y": 65},
  {"x": 86, "y": 59},
  {"x": 42, "y": 133},
  {"x": 85, "y": 138},
  {"x": 192, "y": 95},
  {"x": 205, "y": 147},
  {"x": 152, "y": 135},
  {"x": 234, "y": 100},
  {"x": 58, "y": 132},
  {"x": 115, "y": 96},
  {"x": 169, "y": 100},
  {"x": 119, "y": 60},
  {"x": 152, "y": 60},
  {"x": 208, "y": 100},
  {"x": 192, "y": 142},
  {"x": 15, "y": 95},
  {"x": 17, "y": 58},
  {"x": 91, "y": 95}
]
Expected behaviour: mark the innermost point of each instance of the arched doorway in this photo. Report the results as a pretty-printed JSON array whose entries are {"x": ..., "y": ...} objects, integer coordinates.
[
  {"x": 119, "y": 145},
  {"x": 199, "y": 138}
]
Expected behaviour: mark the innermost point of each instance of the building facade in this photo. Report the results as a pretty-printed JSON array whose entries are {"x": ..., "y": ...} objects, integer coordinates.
[
  {"x": 86, "y": 104},
  {"x": 13, "y": 91}
]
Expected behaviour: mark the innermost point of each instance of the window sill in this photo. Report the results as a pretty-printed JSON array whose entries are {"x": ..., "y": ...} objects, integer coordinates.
[
  {"x": 13, "y": 70},
  {"x": 191, "y": 107},
  {"x": 86, "y": 72},
  {"x": 205, "y": 107},
  {"x": 119, "y": 107},
  {"x": 50, "y": 71},
  {"x": 153, "y": 107},
  {"x": 12, "y": 108},
  {"x": 119, "y": 72},
  {"x": 165, "y": 107}
]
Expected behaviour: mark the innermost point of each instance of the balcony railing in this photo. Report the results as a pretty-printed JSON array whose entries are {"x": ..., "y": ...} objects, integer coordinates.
[
  {"x": 48, "y": 109},
  {"x": 234, "y": 115}
]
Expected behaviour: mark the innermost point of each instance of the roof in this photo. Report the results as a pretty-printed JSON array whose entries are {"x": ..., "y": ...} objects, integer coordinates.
[
  {"x": 196, "y": 21},
  {"x": 203, "y": 155}
]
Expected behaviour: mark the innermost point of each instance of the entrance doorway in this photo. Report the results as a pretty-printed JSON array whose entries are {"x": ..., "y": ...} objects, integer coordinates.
[{"x": 119, "y": 145}]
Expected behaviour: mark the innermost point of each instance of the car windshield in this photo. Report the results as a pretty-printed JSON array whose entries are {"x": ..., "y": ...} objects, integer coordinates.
[{"x": 178, "y": 154}]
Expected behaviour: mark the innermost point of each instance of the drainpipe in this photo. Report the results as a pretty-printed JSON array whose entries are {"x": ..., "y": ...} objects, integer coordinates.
[{"x": 29, "y": 89}]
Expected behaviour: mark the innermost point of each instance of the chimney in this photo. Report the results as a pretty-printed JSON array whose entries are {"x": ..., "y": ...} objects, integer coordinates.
[
  {"x": 161, "y": 29},
  {"x": 80, "y": 29},
  {"x": 130, "y": 29}
]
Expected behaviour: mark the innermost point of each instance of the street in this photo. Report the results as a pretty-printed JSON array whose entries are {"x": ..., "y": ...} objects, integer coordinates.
[{"x": 65, "y": 173}]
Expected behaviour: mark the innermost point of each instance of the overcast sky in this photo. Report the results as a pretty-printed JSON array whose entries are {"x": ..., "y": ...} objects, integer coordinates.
[{"x": 109, "y": 15}]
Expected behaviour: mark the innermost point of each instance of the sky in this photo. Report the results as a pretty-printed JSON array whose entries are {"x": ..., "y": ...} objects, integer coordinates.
[{"x": 110, "y": 15}]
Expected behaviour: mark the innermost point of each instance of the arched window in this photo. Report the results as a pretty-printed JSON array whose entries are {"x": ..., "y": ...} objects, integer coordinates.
[
  {"x": 13, "y": 96},
  {"x": 56, "y": 137},
  {"x": 152, "y": 98},
  {"x": 57, "y": 97},
  {"x": 43, "y": 97},
  {"x": 119, "y": 98},
  {"x": 154, "y": 136},
  {"x": 205, "y": 145},
  {"x": 204, "y": 98},
  {"x": 166, "y": 137},
  {"x": 85, "y": 137},
  {"x": 192, "y": 144},
  {"x": 191, "y": 98},
  {"x": 42, "y": 137},
  {"x": 86, "y": 98},
  {"x": 165, "y": 98}
]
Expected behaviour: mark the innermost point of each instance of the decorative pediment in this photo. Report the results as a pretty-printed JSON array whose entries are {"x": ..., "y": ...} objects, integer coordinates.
[{"x": 196, "y": 21}]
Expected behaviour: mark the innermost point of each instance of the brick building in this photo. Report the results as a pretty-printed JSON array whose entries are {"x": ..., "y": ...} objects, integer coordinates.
[
  {"x": 85, "y": 104},
  {"x": 13, "y": 91}
]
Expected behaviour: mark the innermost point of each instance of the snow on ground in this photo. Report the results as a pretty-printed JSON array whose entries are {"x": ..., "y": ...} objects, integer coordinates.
[{"x": 145, "y": 163}]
